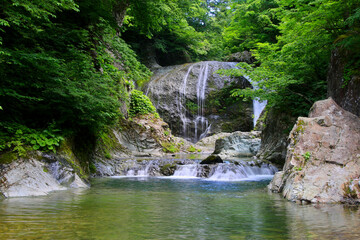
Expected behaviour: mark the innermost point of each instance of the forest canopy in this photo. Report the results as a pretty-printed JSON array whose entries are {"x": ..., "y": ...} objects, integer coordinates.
[{"x": 67, "y": 66}]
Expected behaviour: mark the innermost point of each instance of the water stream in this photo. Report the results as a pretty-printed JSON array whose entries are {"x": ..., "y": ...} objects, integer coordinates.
[{"x": 165, "y": 208}]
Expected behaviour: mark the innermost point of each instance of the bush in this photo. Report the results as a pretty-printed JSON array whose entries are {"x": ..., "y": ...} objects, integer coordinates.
[{"x": 140, "y": 104}]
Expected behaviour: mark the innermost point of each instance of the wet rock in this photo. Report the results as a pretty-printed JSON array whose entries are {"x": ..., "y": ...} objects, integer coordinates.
[
  {"x": 238, "y": 144},
  {"x": 323, "y": 157},
  {"x": 212, "y": 159},
  {"x": 174, "y": 91},
  {"x": 168, "y": 169}
]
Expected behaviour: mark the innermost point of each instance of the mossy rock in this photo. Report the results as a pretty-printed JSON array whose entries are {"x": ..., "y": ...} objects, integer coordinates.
[
  {"x": 168, "y": 169},
  {"x": 212, "y": 159},
  {"x": 8, "y": 157}
]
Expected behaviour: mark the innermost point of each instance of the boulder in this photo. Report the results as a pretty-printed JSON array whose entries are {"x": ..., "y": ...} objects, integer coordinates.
[
  {"x": 238, "y": 144},
  {"x": 323, "y": 157},
  {"x": 31, "y": 177},
  {"x": 212, "y": 159}
]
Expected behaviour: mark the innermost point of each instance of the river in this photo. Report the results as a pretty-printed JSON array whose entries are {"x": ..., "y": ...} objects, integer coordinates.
[{"x": 170, "y": 208}]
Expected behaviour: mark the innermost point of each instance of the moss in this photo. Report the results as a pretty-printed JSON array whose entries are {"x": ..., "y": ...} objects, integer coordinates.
[
  {"x": 92, "y": 168},
  {"x": 191, "y": 149},
  {"x": 170, "y": 147},
  {"x": 45, "y": 169},
  {"x": 8, "y": 157}
]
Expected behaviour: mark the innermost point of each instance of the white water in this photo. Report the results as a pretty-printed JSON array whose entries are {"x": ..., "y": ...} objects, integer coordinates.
[
  {"x": 187, "y": 171},
  {"x": 258, "y": 106},
  {"x": 180, "y": 102},
  {"x": 201, "y": 123},
  {"x": 218, "y": 172}
]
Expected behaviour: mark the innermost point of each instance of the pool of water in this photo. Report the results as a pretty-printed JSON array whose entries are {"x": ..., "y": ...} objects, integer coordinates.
[{"x": 161, "y": 208}]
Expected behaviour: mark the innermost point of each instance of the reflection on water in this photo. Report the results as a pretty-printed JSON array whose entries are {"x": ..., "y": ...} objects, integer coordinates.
[{"x": 151, "y": 208}]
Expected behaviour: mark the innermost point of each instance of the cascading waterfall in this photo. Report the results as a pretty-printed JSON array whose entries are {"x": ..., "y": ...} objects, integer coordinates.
[
  {"x": 201, "y": 123},
  {"x": 258, "y": 106},
  {"x": 180, "y": 102},
  {"x": 218, "y": 172}
]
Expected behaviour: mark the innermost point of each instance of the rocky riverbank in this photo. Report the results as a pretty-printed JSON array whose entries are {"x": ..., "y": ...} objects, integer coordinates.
[{"x": 323, "y": 157}]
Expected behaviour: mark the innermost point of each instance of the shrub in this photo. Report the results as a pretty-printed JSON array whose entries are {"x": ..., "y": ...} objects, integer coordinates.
[{"x": 140, "y": 104}]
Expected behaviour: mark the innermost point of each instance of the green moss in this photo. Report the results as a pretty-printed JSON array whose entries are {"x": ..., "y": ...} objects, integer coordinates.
[
  {"x": 8, "y": 157},
  {"x": 45, "y": 169},
  {"x": 92, "y": 168},
  {"x": 166, "y": 133},
  {"x": 170, "y": 147},
  {"x": 191, "y": 149}
]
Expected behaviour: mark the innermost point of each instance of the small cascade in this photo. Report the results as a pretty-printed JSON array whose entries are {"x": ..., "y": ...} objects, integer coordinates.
[
  {"x": 140, "y": 170},
  {"x": 243, "y": 171},
  {"x": 187, "y": 171},
  {"x": 258, "y": 106},
  {"x": 232, "y": 172}
]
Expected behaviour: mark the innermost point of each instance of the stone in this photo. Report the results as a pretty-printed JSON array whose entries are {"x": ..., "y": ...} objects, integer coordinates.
[
  {"x": 31, "y": 177},
  {"x": 274, "y": 137},
  {"x": 244, "y": 56},
  {"x": 173, "y": 89},
  {"x": 238, "y": 144},
  {"x": 27, "y": 177},
  {"x": 345, "y": 90},
  {"x": 212, "y": 159},
  {"x": 323, "y": 157}
]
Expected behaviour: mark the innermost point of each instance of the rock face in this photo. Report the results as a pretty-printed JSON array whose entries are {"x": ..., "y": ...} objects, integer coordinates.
[
  {"x": 31, "y": 177},
  {"x": 274, "y": 137},
  {"x": 244, "y": 56},
  {"x": 212, "y": 159},
  {"x": 323, "y": 157},
  {"x": 342, "y": 87},
  {"x": 180, "y": 95},
  {"x": 238, "y": 144}
]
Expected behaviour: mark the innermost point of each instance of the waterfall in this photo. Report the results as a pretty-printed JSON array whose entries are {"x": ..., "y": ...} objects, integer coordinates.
[
  {"x": 181, "y": 102},
  {"x": 243, "y": 171},
  {"x": 201, "y": 123},
  {"x": 258, "y": 106},
  {"x": 180, "y": 94},
  {"x": 187, "y": 171}
]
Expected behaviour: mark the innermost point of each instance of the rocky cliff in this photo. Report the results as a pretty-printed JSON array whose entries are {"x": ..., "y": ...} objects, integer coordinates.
[
  {"x": 323, "y": 157},
  {"x": 344, "y": 81},
  {"x": 274, "y": 136},
  {"x": 181, "y": 96}
]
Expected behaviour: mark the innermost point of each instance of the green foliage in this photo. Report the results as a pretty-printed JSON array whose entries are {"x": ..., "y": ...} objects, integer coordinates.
[
  {"x": 192, "y": 107},
  {"x": 166, "y": 133},
  {"x": 307, "y": 156},
  {"x": 140, "y": 104},
  {"x": 291, "y": 70},
  {"x": 17, "y": 138},
  {"x": 252, "y": 22},
  {"x": 298, "y": 168}
]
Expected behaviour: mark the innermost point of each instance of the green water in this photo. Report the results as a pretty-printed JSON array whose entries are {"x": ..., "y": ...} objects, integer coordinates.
[{"x": 152, "y": 208}]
